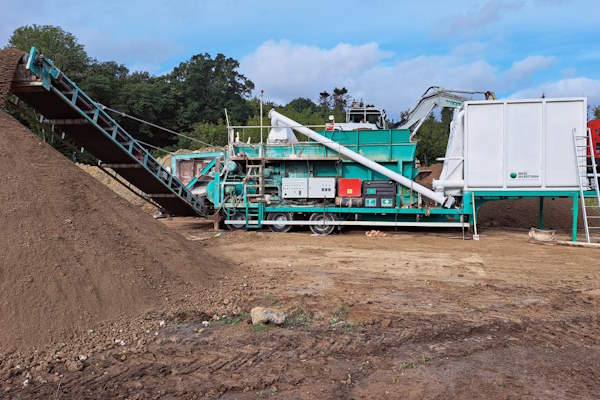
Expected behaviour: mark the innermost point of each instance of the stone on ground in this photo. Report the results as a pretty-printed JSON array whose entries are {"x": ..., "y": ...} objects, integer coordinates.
[{"x": 263, "y": 315}]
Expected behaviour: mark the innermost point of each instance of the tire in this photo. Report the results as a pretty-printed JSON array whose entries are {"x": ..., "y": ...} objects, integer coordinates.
[
  {"x": 237, "y": 227},
  {"x": 322, "y": 229},
  {"x": 283, "y": 217}
]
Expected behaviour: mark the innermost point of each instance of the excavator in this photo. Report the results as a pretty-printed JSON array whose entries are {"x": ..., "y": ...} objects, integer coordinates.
[
  {"x": 436, "y": 96},
  {"x": 360, "y": 117}
]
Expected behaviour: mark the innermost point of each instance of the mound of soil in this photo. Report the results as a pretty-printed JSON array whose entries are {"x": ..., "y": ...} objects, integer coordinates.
[
  {"x": 522, "y": 213},
  {"x": 8, "y": 62},
  {"x": 118, "y": 188},
  {"x": 74, "y": 254}
]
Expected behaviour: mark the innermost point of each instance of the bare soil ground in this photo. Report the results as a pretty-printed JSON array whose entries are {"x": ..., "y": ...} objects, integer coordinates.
[{"x": 413, "y": 315}]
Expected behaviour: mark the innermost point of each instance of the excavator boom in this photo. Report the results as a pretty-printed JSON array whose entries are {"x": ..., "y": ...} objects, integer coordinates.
[{"x": 436, "y": 96}]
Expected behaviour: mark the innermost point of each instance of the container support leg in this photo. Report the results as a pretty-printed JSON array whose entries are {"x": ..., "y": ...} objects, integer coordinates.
[
  {"x": 541, "y": 214},
  {"x": 217, "y": 221},
  {"x": 575, "y": 216}
]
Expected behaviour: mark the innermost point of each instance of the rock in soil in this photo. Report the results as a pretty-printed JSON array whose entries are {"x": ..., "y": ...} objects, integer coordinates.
[
  {"x": 262, "y": 315},
  {"x": 73, "y": 366}
]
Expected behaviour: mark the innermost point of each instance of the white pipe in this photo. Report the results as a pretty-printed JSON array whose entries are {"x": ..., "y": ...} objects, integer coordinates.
[
  {"x": 458, "y": 184},
  {"x": 430, "y": 194}
]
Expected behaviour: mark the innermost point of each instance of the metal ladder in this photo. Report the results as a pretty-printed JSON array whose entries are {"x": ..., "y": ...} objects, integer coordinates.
[
  {"x": 256, "y": 173},
  {"x": 253, "y": 201},
  {"x": 587, "y": 178},
  {"x": 254, "y": 216}
]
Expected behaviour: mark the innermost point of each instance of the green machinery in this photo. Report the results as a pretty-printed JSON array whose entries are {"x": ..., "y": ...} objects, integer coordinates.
[{"x": 250, "y": 184}]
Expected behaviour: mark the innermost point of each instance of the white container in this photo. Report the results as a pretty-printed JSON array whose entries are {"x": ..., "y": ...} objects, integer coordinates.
[
  {"x": 312, "y": 188},
  {"x": 522, "y": 144},
  {"x": 321, "y": 188},
  {"x": 294, "y": 188}
]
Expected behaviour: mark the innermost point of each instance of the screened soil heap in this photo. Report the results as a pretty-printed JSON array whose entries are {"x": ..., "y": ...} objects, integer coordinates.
[{"x": 72, "y": 252}]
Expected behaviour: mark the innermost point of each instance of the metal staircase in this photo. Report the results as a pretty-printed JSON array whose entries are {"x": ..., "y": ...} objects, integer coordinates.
[
  {"x": 587, "y": 177},
  {"x": 254, "y": 192},
  {"x": 68, "y": 109}
]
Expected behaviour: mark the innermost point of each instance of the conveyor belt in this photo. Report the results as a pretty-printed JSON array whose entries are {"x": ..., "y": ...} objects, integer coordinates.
[{"x": 63, "y": 104}]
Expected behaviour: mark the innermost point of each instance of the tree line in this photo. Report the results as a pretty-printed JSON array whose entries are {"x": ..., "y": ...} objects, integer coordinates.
[{"x": 191, "y": 98}]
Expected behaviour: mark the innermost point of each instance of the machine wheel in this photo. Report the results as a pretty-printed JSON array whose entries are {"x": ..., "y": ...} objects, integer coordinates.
[
  {"x": 280, "y": 217},
  {"x": 321, "y": 229},
  {"x": 237, "y": 217}
]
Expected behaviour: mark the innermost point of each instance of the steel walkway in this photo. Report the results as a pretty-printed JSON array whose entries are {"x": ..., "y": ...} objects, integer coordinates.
[{"x": 65, "y": 106}]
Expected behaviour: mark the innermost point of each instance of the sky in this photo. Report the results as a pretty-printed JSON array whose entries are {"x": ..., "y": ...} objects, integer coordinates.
[{"x": 385, "y": 52}]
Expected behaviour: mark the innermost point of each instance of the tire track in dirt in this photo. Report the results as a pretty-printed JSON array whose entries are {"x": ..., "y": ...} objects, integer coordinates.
[{"x": 276, "y": 356}]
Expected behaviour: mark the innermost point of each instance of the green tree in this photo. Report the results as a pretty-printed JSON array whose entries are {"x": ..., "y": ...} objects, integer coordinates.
[
  {"x": 325, "y": 101},
  {"x": 432, "y": 139},
  {"x": 204, "y": 87},
  {"x": 190, "y": 98},
  {"x": 447, "y": 114},
  {"x": 104, "y": 81},
  {"x": 597, "y": 112},
  {"x": 149, "y": 99},
  {"x": 340, "y": 99},
  {"x": 214, "y": 134},
  {"x": 302, "y": 104},
  {"x": 60, "y": 46}
]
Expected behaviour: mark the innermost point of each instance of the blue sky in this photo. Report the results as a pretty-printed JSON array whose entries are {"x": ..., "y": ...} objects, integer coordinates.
[{"x": 386, "y": 52}]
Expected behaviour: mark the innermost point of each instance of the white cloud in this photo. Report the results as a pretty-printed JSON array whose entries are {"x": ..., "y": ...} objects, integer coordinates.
[
  {"x": 490, "y": 12},
  {"x": 551, "y": 2},
  {"x": 399, "y": 86},
  {"x": 525, "y": 67},
  {"x": 571, "y": 87},
  {"x": 469, "y": 48},
  {"x": 285, "y": 70}
]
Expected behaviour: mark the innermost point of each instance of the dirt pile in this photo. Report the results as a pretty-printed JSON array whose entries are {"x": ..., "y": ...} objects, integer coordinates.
[
  {"x": 116, "y": 187},
  {"x": 522, "y": 213},
  {"x": 9, "y": 59},
  {"x": 73, "y": 254}
]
